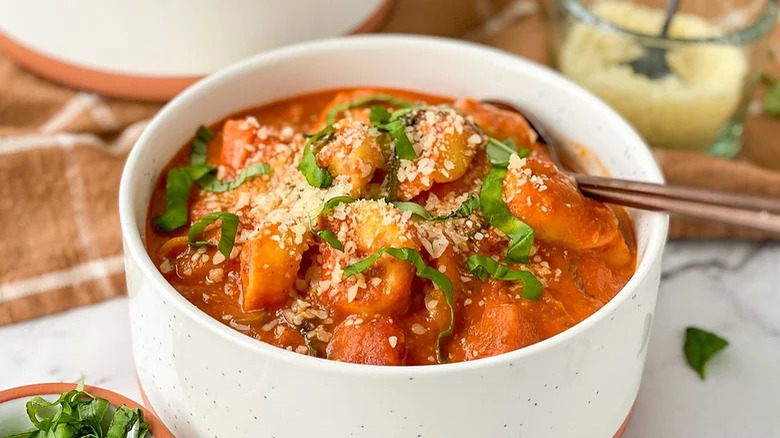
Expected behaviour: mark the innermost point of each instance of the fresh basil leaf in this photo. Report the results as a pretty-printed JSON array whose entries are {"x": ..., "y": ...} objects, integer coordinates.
[
  {"x": 396, "y": 127},
  {"x": 521, "y": 236},
  {"x": 123, "y": 421},
  {"x": 379, "y": 115},
  {"x": 177, "y": 192},
  {"x": 329, "y": 205},
  {"x": 330, "y": 237},
  {"x": 415, "y": 208},
  {"x": 772, "y": 100},
  {"x": 334, "y": 112},
  {"x": 200, "y": 146},
  {"x": 210, "y": 182},
  {"x": 34, "y": 405},
  {"x": 466, "y": 208},
  {"x": 499, "y": 152},
  {"x": 94, "y": 411},
  {"x": 64, "y": 430},
  {"x": 315, "y": 175},
  {"x": 325, "y": 208},
  {"x": 483, "y": 266},
  {"x": 333, "y": 202},
  {"x": 470, "y": 205},
  {"x": 403, "y": 146},
  {"x": 700, "y": 346},
  {"x": 423, "y": 271},
  {"x": 397, "y": 114},
  {"x": 227, "y": 233}
]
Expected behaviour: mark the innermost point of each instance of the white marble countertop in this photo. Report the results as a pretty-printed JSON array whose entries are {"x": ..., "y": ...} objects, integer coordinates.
[{"x": 732, "y": 289}]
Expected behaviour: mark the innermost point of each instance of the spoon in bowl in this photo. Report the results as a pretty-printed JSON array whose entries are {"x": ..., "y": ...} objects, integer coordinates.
[
  {"x": 652, "y": 63},
  {"x": 756, "y": 212}
]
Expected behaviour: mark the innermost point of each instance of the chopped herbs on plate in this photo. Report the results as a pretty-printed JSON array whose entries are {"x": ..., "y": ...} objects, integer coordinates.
[{"x": 78, "y": 414}]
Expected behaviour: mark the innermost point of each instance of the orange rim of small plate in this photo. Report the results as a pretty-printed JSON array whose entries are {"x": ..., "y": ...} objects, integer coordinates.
[
  {"x": 157, "y": 427},
  {"x": 140, "y": 87}
]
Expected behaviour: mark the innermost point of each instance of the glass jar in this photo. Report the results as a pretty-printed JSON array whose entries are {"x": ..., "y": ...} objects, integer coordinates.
[{"x": 714, "y": 51}]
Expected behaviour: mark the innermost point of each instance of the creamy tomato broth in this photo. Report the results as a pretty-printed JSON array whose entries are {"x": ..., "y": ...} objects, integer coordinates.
[{"x": 407, "y": 230}]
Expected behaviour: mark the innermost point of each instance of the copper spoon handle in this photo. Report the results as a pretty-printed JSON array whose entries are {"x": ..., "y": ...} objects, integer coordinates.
[
  {"x": 754, "y": 212},
  {"x": 757, "y": 212}
]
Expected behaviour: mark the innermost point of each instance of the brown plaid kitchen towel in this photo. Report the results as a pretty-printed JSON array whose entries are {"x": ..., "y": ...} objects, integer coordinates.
[
  {"x": 62, "y": 152},
  {"x": 61, "y": 156}
]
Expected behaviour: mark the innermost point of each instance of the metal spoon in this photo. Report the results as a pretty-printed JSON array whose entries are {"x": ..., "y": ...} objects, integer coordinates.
[
  {"x": 652, "y": 63},
  {"x": 756, "y": 212}
]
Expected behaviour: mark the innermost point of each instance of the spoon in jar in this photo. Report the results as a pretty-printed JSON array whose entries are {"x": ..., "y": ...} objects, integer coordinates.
[
  {"x": 652, "y": 63},
  {"x": 756, "y": 212}
]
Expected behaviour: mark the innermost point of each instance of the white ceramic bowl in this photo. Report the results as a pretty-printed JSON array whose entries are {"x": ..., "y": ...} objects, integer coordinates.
[{"x": 207, "y": 380}]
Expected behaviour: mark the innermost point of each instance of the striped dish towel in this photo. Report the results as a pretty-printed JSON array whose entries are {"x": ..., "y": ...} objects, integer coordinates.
[{"x": 61, "y": 156}]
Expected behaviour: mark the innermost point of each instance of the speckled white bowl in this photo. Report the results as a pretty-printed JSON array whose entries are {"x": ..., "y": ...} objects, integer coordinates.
[{"x": 207, "y": 380}]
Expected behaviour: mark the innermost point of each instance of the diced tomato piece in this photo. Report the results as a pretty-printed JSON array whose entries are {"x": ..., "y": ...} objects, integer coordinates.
[{"x": 234, "y": 139}]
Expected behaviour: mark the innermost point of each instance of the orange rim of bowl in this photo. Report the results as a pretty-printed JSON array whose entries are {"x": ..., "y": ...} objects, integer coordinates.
[
  {"x": 129, "y": 86},
  {"x": 157, "y": 428}
]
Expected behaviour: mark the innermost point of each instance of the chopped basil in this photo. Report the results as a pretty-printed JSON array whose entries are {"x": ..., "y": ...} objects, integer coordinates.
[
  {"x": 470, "y": 205},
  {"x": 466, "y": 208},
  {"x": 521, "y": 236},
  {"x": 699, "y": 347},
  {"x": 325, "y": 208},
  {"x": 329, "y": 205},
  {"x": 483, "y": 266},
  {"x": 379, "y": 115},
  {"x": 499, "y": 152},
  {"x": 315, "y": 175},
  {"x": 403, "y": 146},
  {"x": 330, "y": 237},
  {"x": 177, "y": 193},
  {"x": 772, "y": 96},
  {"x": 228, "y": 231},
  {"x": 210, "y": 182},
  {"x": 332, "y": 203},
  {"x": 179, "y": 182},
  {"x": 424, "y": 271},
  {"x": 123, "y": 422},
  {"x": 384, "y": 121},
  {"x": 78, "y": 414},
  {"x": 200, "y": 146},
  {"x": 414, "y": 208},
  {"x": 394, "y": 125},
  {"x": 320, "y": 177},
  {"x": 334, "y": 112}
]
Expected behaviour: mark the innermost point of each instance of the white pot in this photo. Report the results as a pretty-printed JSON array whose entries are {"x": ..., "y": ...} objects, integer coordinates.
[
  {"x": 207, "y": 380},
  {"x": 152, "y": 49}
]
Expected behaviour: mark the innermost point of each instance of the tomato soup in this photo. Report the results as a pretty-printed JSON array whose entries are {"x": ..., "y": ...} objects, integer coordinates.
[{"x": 383, "y": 227}]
